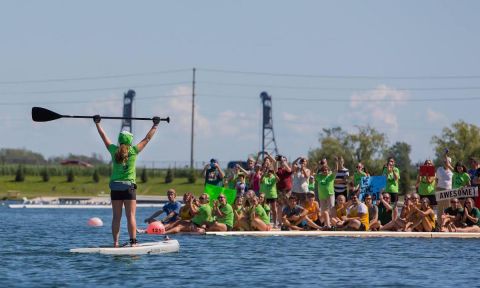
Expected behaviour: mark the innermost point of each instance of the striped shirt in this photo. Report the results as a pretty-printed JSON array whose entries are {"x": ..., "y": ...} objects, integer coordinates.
[{"x": 341, "y": 180}]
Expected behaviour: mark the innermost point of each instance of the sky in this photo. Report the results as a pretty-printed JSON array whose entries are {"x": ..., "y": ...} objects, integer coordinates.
[{"x": 406, "y": 68}]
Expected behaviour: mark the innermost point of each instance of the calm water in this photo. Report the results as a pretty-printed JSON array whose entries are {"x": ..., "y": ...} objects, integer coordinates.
[{"x": 35, "y": 245}]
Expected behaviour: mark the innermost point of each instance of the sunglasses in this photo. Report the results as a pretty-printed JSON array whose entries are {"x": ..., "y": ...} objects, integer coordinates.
[
  {"x": 201, "y": 198},
  {"x": 221, "y": 197}
]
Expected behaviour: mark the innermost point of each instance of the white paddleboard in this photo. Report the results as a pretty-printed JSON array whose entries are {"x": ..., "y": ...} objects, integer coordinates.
[{"x": 166, "y": 246}]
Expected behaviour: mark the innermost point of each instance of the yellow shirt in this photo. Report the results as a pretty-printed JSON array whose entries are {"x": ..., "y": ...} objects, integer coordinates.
[
  {"x": 341, "y": 211},
  {"x": 312, "y": 210},
  {"x": 185, "y": 213},
  {"x": 353, "y": 211}
]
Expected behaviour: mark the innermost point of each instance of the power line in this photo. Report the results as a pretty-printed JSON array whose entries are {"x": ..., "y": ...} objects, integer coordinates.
[
  {"x": 93, "y": 89},
  {"x": 337, "y": 88},
  {"x": 94, "y": 77},
  {"x": 326, "y": 76},
  {"x": 442, "y": 99}
]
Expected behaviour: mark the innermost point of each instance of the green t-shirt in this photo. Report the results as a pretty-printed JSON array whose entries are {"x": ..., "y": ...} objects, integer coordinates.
[
  {"x": 325, "y": 185},
  {"x": 392, "y": 185},
  {"x": 357, "y": 176},
  {"x": 268, "y": 185},
  {"x": 127, "y": 171},
  {"x": 204, "y": 215},
  {"x": 425, "y": 188},
  {"x": 460, "y": 180},
  {"x": 476, "y": 214},
  {"x": 227, "y": 218},
  {"x": 267, "y": 209},
  {"x": 260, "y": 212}
]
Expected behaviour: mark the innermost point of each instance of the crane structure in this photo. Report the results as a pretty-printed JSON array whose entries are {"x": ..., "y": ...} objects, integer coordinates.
[
  {"x": 128, "y": 111},
  {"x": 268, "y": 136}
]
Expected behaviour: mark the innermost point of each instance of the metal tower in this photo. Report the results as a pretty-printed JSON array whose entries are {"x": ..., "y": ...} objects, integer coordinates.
[
  {"x": 127, "y": 111},
  {"x": 268, "y": 137}
]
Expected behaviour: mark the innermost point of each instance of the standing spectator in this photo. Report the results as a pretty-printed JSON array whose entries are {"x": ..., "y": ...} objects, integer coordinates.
[
  {"x": 473, "y": 167},
  {"x": 213, "y": 173},
  {"x": 341, "y": 178},
  {"x": 326, "y": 193},
  {"x": 268, "y": 186},
  {"x": 301, "y": 174},
  {"x": 240, "y": 186},
  {"x": 393, "y": 177},
  {"x": 284, "y": 184},
  {"x": 426, "y": 185},
  {"x": 444, "y": 182},
  {"x": 460, "y": 177},
  {"x": 357, "y": 177}
]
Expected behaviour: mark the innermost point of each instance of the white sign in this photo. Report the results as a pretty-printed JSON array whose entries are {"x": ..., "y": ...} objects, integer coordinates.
[{"x": 457, "y": 193}]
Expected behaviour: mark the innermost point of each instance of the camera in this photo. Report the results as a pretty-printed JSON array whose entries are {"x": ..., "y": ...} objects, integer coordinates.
[
  {"x": 302, "y": 161},
  {"x": 279, "y": 157},
  {"x": 212, "y": 163}
]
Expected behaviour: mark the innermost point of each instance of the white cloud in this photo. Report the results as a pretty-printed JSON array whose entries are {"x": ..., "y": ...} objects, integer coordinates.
[
  {"x": 436, "y": 117},
  {"x": 378, "y": 105}
]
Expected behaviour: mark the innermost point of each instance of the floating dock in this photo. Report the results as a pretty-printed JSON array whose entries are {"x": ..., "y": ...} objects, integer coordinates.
[{"x": 355, "y": 234}]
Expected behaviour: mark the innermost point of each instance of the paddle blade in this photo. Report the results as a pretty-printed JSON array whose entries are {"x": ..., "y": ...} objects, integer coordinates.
[{"x": 40, "y": 114}]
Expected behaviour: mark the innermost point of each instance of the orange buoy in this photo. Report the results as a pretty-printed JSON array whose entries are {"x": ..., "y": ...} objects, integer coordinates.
[
  {"x": 95, "y": 222},
  {"x": 155, "y": 228}
]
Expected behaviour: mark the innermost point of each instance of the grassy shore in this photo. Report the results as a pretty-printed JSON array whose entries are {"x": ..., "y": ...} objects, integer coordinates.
[{"x": 84, "y": 186}]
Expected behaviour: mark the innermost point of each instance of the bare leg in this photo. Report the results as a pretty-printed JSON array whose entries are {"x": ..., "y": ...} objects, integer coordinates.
[
  {"x": 130, "y": 210},
  {"x": 273, "y": 207},
  {"x": 116, "y": 218},
  {"x": 217, "y": 227},
  {"x": 259, "y": 225}
]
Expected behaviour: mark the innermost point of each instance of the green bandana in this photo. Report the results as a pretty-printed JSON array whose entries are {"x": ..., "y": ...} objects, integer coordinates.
[{"x": 125, "y": 137}]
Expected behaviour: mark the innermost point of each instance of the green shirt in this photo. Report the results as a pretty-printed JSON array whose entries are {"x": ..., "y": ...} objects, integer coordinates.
[
  {"x": 227, "y": 217},
  {"x": 260, "y": 212},
  {"x": 325, "y": 185},
  {"x": 204, "y": 215},
  {"x": 392, "y": 184},
  {"x": 121, "y": 171},
  {"x": 460, "y": 180},
  {"x": 476, "y": 214},
  {"x": 268, "y": 185},
  {"x": 425, "y": 188},
  {"x": 357, "y": 176}
]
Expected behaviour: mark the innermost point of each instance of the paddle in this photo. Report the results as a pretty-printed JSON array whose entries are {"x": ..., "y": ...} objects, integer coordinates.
[{"x": 40, "y": 114}]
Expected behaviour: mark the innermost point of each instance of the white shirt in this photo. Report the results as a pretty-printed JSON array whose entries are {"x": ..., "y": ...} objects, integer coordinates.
[{"x": 444, "y": 178}]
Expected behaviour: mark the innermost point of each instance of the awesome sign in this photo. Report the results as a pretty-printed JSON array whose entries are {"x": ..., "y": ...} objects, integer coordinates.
[{"x": 457, "y": 193}]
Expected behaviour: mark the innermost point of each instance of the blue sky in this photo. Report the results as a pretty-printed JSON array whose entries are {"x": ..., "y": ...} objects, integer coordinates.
[{"x": 407, "y": 68}]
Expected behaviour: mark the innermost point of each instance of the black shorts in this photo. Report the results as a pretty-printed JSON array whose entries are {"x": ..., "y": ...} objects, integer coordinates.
[
  {"x": 130, "y": 194},
  {"x": 362, "y": 227},
  {"x": 271, "y": 200},
  {"x": 393, "y": 197}
]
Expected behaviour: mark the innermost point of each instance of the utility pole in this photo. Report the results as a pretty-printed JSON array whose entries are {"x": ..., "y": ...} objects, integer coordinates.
[{"x": 193, "y": 120}]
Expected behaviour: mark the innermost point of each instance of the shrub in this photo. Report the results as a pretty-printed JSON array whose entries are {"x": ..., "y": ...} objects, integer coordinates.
[
  {"x": 70, "y": 176},
  {"x": 95, "y": 176},
  {"x": 45, "y": 175},
  {"x": 169, "y": 177},
  {"x": 192, "y": 177},
  {"x": 20, "y": 174},
  {"x": 144, "y": 175}
]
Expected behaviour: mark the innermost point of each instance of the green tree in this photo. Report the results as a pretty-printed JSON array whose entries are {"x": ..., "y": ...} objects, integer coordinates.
[
  {"x": 20, "y": 174},
  {"x": 401, "y": 152},
  {"x": 462, "y": 140},
  {"x": 95, "y": 176},
  {"x": 192, "y": 176},
  {"x": 144, "y": 175},
  {"x": 169, "y": 177},
  {"x": 70, "y": 176},
  {"x": 366, "y": 145},
  {"x": 45, "y": 175}
]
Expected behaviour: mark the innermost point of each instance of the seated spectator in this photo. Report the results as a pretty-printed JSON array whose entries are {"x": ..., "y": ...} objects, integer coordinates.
[
  {"x": 263, "y": 203},
  {"x": 240, "y": 222},
  {"x": 385, "y": 211},
  {"x": 259, "y": 220},
  {"x": 452, "y": 216},
  {"x": 171, "y": 210},
  {"x": 313, "y": 208},
  {"x": 372, "y": 212},
  {"x": 339, "y": 211},
  {"x": 203, "y": 216},
  {"x": 471, "y": 217},
  {"x": 357, "y": 216},
  {"x": 294, "y": 217},
  {"x": 398, "y": 224},
  {"x": 223, "y": 213},
  {"x": 425, "y": 218},
  {"x": 189, "y": 203}
]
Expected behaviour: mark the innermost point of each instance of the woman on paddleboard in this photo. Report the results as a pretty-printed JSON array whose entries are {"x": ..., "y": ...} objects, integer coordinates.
[{"x": 123, "y": 178}]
